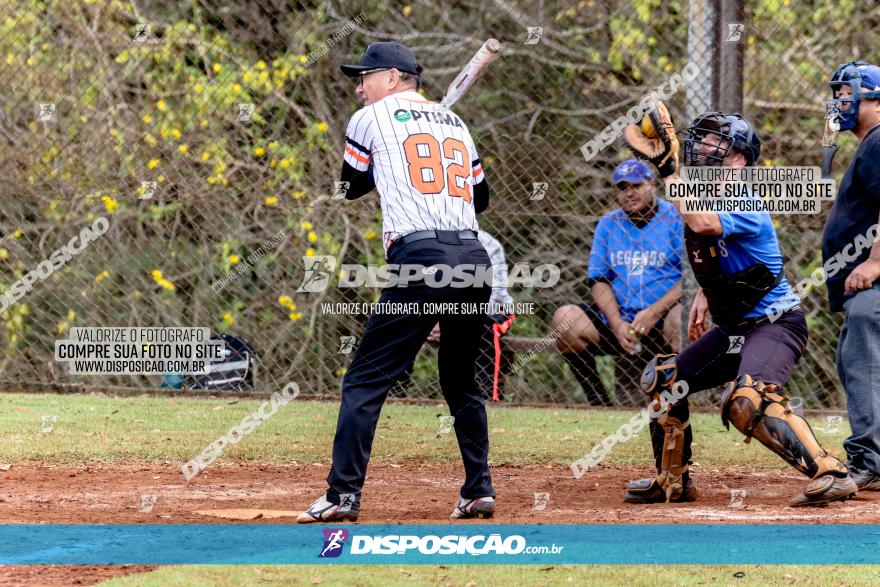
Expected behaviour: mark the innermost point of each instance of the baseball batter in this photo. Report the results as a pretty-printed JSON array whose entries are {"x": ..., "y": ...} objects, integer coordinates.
[{"x": 421, "y": 158}]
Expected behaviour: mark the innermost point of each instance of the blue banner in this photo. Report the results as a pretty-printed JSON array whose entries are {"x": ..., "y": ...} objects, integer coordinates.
[{"x": 166, "y": 544}]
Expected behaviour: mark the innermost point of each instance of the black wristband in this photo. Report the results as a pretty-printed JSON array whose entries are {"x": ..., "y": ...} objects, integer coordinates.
[{"x": 667, "y": 168}]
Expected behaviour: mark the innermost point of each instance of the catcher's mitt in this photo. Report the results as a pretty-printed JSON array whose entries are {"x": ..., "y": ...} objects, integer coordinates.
[{"x": 655, "y": 140}]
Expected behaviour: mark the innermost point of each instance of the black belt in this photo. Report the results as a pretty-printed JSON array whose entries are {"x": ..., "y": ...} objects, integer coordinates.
[
  {"x": 752, "y": 323},
  {"x": 426, "y": 234}
]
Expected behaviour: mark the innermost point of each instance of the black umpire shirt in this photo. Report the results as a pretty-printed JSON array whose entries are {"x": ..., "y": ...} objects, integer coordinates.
[{"x": 856, "y": 209}]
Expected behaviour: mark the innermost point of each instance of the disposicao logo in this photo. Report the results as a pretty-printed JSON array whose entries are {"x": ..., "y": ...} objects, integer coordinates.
[
  {"x": 450, "y": 544},
  {"x": 334, "y": 538}
]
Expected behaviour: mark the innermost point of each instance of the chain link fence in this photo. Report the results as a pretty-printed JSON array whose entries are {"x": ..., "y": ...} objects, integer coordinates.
[{"x": 209, "y": 135}]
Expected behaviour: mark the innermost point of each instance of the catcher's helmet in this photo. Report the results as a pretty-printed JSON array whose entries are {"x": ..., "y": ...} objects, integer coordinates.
[
  {"x": 738, "y": 133},
  {"x": 864, "y": 79}
]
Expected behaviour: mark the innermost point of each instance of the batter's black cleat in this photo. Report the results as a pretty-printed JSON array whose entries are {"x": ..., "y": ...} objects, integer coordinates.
[
  {"x": 866, "y": 480},
  {"x": 649, "y": 491},
  {"x": 824, "y": 490},
  {"x": 481, "y": 507}
]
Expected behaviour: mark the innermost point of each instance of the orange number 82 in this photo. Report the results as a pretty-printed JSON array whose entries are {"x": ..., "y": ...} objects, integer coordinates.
[{"x": 423, "y": 154}]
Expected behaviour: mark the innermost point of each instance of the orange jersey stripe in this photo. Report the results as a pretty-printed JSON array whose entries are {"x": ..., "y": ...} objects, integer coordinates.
[{"x": 355, "y": 154}]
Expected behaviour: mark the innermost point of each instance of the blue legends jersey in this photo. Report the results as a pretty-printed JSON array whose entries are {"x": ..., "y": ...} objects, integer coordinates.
[
  {"x": 747, "y": 239},
  {"x": 642, "y": 264}
]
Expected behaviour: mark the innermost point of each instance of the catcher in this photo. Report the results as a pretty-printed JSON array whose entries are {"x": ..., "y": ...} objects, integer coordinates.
[{"x": 738, "y": 265}]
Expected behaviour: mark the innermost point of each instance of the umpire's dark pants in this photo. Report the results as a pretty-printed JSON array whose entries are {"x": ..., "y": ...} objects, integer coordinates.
[{"x": 387, "y": 351}]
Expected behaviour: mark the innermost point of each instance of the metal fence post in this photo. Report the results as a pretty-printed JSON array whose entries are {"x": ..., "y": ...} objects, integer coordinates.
[{"x": 701, "y": 51}]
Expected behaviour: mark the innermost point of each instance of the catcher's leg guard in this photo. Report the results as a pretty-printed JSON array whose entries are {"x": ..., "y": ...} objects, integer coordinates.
[
  {"x": 673, "y": 465},
  {"x": 671, "y": 483},
  {"x": 758, "y": 411}
]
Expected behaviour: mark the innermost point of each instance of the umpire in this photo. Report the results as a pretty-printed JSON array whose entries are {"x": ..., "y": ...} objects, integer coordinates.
[
  {"x": 431, "y": 185},
  {"x": 855, "y": 288}
]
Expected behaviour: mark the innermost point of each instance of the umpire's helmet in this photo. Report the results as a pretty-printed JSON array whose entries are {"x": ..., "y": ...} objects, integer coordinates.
[
  {"x": 864, "y": 79},
  {"x": 738, "y": 132}
]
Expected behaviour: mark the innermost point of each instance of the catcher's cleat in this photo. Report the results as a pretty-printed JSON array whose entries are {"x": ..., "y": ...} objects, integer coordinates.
[
  {"x": 481, "y": 507},
  {"x": 825, "y": 489},
  {"x": 324, "y": 511},
  {"x": 649, "y": 491},
  {"x": 866, "y": 480}
]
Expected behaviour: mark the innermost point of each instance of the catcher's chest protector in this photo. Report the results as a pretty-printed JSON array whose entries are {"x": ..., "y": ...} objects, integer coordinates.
[{"x": 730, "y": 296}]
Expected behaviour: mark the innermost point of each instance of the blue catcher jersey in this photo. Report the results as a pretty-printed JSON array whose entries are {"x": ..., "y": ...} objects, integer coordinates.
[{"x": 747, "y": 239}]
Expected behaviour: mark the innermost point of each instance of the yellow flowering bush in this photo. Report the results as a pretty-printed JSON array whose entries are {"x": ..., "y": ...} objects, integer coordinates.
[
  {"x": 159, "y": 278},
  {"x": 110, "y": 204}
]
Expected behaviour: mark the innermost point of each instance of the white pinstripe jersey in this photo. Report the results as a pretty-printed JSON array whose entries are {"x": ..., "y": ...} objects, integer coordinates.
[{"x": 424, "y": 163}]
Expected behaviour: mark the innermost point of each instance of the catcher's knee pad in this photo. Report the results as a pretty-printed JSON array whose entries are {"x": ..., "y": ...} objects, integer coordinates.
[
  {"x": 659, "y": 373},
  {"x": 758, "y": 411}
]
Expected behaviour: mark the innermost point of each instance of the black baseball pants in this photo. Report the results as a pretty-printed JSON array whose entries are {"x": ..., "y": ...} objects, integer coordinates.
[{"x": 387, "y": 351}]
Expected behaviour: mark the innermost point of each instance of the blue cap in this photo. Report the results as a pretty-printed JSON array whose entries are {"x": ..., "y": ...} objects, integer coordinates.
[
  {"x": 632, "y": 171},
  {"x": 387, "y": 55}
]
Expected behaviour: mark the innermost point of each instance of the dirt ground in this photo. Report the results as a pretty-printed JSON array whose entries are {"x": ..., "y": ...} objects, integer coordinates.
[{"x": 412, "y": 493}]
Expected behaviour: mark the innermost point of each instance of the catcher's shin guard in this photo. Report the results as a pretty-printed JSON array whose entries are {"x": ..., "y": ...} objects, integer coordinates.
[
  {"x": 673, "y": 465},
  {"x": 758, "y": 411},
  {"x": 672, "y": 483},
  {"x": 659, "y": 375}
]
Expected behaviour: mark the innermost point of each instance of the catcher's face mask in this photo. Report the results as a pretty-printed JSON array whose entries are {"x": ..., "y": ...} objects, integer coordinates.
[
  {"x": 851, "y": 83},
  {"x": 708, "y": 142},
  {"x": 844, "y": 107}
]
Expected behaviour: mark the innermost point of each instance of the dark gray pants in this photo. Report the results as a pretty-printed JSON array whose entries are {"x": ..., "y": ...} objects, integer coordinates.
[{"x": 858, "y": 363}]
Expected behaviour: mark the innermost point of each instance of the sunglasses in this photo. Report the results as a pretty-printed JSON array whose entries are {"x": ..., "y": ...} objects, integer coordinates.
[
  {"x": 361, "y": 76},
  {"x": 623, "y": 186}
]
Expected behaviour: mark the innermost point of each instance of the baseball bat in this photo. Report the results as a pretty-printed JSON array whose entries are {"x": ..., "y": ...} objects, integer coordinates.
[{"x": 485, "y": 55}]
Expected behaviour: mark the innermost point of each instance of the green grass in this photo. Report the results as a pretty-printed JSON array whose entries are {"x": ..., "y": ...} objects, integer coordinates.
[
  {"x": 106, "y": 429},
  {"x": 477, "y": 575}
]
